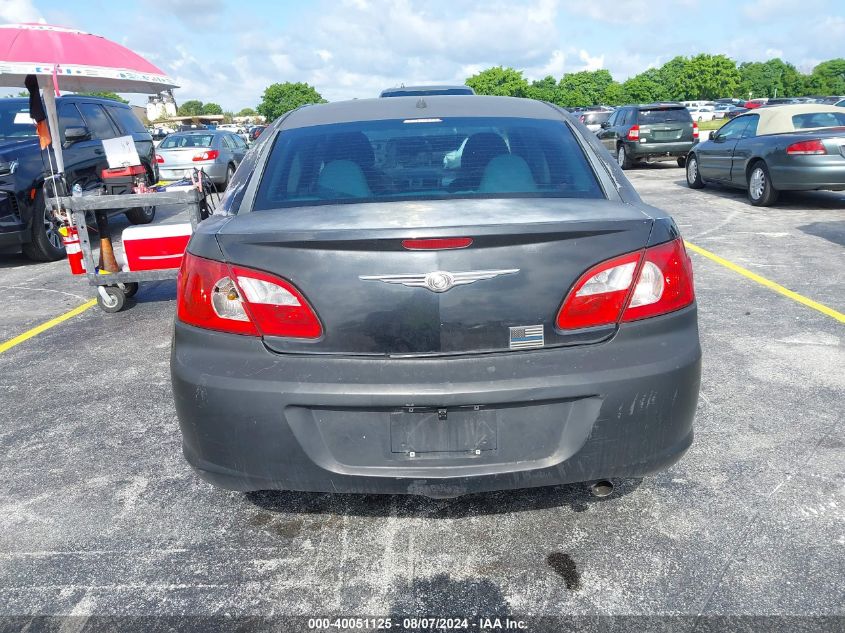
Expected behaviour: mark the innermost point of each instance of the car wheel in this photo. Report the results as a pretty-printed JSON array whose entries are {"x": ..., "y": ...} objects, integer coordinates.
[
  {"x": 141, "y": 215},
  {"x": 46, "y": 243},
  {"x": 693, "y": 175},
  {"x": 761, "y": 192},
  {"x": 682, "y": 160},
  {"x": 622, "y": 158}
]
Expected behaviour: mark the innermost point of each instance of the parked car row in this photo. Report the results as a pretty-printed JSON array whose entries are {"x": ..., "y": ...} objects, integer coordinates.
[{"x": 798, "y": 147}]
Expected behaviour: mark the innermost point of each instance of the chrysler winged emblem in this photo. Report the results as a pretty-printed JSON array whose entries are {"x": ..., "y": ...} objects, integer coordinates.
[{"x": 439, "y": 280}]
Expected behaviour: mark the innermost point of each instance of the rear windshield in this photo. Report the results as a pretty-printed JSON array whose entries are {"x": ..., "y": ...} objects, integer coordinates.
[
  {"x": 422, "y": 159},
  {"x": 665, "y": 115},
  {"x": 818, "y": 119},
  {"x": 187, "y": 140},
  {"x": 424, "y": 93},
  {"x": 596, "y": 117}
]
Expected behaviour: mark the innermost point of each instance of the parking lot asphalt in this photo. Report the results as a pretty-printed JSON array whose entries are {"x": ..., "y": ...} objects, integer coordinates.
[{"x": 100, "y": 514}]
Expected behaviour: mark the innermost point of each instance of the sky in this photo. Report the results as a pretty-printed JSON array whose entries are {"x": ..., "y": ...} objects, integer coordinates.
[{"x": 227, "y": 52}]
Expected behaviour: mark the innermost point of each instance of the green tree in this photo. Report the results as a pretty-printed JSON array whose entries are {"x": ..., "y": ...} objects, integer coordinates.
[
  {"x": 505, "y": 82},
  {"x": 281, "y": 98},
  {"x": 247, "y": 112},
  {"x": 646, "y": 87},
  {"x": 585, "y": 87},
  {"x": 211, "y": 108},
  {"x": 828, "y": 77},
  {"x": 190, "y": 108},
  {"x": 545, "y": 89},
  {"x": 769, "y": 79},
  {"x": 104, "y": 95},
  {"x": 711, "y": 77}
]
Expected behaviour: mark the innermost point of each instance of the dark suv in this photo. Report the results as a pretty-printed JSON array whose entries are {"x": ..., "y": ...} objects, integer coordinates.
[
  {"x": 654, "y": 131},
  {"x": 84, "y": 123}
]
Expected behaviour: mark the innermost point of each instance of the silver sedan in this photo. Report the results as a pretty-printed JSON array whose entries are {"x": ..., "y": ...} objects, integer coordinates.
[{"x": 216, "y": 152}]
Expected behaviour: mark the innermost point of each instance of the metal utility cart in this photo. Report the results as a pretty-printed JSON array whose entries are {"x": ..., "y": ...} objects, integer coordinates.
[{"x": 114, "y": 288}]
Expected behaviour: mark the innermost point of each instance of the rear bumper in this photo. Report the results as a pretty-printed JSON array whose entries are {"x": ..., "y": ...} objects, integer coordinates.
[
  {"x": 808, "y": 173},
  {"x": 215, "y": 171},
  {"x": 658, "y": 151},
  {"x": 252, "y": 419}
]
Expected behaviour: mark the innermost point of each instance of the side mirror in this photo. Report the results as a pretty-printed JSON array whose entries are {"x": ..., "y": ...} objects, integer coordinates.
[
  {"x": 605, "y": 125},
  {"x": 715, "y": 137},
  {"x": 76, "y": 134}
]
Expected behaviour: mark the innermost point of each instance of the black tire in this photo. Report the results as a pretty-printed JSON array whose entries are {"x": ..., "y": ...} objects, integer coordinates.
[
  {"x": 622, "y": 158},
  {"x": 141, "y": 215},
  {"x": 116, "y": 301},
  {"x": 693, "y": 174},
  {"x": 46, "y": 243},
  {"x": 682, "y": 161},
  {"x": 230, "y": 171},
  {"x": 761, "y": 192},
  {"x": 130, "y": 288}
]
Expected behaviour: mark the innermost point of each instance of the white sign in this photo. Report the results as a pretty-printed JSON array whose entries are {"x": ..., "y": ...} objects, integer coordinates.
[{"x": 121, "y": 152}]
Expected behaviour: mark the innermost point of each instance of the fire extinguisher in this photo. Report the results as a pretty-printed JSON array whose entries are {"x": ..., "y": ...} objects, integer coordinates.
[{"x": 70, "y": 239}]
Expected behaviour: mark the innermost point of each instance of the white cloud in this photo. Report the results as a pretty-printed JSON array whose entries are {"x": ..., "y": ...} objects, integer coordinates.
[
  {"x": 16, "y": 11},
  {"x": 591, "y": 63}
]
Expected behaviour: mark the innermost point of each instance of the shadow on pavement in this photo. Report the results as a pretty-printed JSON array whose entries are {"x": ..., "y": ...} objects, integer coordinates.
[
  {"x": 576, "y": 496},
  {"x": 830, "y": 231}
]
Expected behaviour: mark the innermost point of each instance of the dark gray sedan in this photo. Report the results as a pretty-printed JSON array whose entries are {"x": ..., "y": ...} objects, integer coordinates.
[
  {"x": 367, "y": 317},
  {"x": 768, "y": 150}
]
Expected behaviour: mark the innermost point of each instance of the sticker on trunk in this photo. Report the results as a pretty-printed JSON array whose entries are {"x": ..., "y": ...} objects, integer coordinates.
[{"x": 526, "y": 336}]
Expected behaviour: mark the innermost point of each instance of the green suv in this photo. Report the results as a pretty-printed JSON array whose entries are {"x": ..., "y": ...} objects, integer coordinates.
[{"x": 652, "y": 132}]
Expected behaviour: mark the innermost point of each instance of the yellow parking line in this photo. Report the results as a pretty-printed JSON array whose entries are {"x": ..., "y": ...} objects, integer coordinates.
[
  {"x": 4, "y": 347},
  {"x": 786, "y": 292}
]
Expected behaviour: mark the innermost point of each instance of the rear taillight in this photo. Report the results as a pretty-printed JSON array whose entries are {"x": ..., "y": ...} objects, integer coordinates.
[
  {"x": 159, "y": 159},
  {"x": 806, "y": 148},
  {"x": 607, "y": 293},
  {"x": 694, "y": 129},
  {"x": 216, "y": 296},
  {"x": 437, "y": 244},
  {"x": 634, "y": 133},
  {"x": 207, "y": 155},
  {"x": 582, "y": 118}
]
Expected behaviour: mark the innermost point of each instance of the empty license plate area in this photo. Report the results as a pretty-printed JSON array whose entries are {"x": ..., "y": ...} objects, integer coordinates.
[{"x": 455, "y": 430}]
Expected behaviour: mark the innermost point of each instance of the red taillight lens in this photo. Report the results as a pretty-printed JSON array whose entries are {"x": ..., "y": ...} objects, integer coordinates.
[
  {"x": 159, "y": 159},
  {"x": 806, "y": 148},
  {"x": 664, "y": 284},
  {"x": 694, "y": 129},
  {"x": 600, "y": 294},
  {"x": 437, "y": 244},
  {"x": 208, "y": 155},
  {"x": 215, "y": 296},
  {"x": 634, "y": 133}
]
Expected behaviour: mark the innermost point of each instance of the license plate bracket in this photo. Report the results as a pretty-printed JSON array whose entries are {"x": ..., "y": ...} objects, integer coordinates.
[{"x": 443, "y": 430}]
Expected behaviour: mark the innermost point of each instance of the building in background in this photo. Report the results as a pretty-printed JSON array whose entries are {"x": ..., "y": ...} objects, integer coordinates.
[{"x": 161, "y": 106}]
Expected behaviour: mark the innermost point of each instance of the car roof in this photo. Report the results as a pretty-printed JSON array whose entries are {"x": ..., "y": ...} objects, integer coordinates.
[
  {"x": 778, "y": 119},
  {"x": 427, "y": 89},
  {"x": 427, "y": 107},
  {"x": 661, "y": 104}
]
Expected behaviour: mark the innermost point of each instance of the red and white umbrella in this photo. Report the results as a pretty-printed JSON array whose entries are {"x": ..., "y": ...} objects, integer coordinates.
[{"x": 72, "y": 60}]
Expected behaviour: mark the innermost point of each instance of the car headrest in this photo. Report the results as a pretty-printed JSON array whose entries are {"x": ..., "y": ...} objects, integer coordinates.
[
  {"x": 343, "y": 177},
  {"x": 507, "y": 174},
  {"x": 480, "y": 149},
  {"x": 354, "y": 146}
]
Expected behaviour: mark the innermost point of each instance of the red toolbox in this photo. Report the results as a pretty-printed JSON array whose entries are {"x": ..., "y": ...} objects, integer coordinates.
[{"x": 155, "y": 247}]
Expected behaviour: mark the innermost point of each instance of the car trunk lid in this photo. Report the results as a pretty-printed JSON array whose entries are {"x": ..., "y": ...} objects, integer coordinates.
[{"x": 527, "y": 253}]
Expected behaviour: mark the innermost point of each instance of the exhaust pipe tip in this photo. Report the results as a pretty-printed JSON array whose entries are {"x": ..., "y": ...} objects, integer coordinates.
[{"x": 602, "y": 488}]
